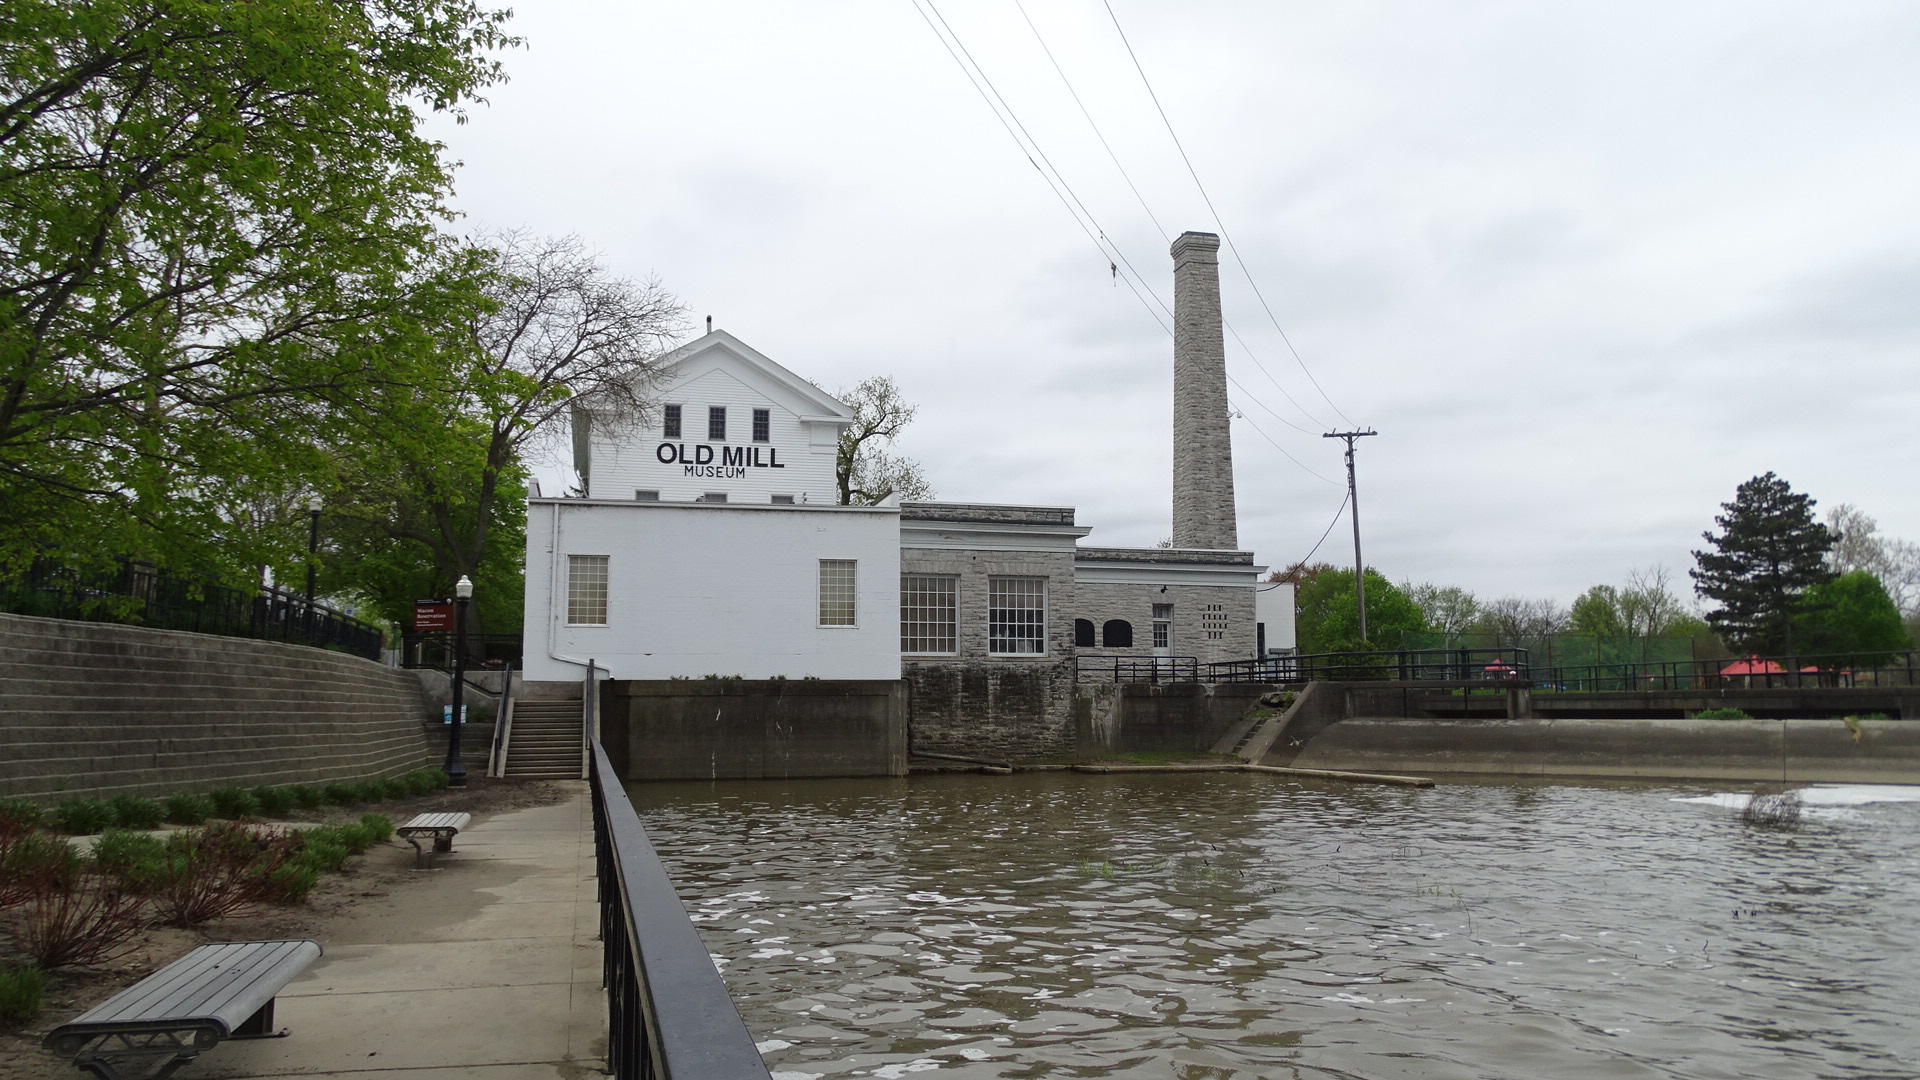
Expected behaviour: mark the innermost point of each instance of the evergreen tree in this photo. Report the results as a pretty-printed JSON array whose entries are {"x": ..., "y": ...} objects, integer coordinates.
[{"x": 1769, "y": 552}]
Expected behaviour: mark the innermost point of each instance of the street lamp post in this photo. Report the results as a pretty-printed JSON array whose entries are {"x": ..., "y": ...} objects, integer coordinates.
[
  {"x": 456, "y": 769},
  {"x": 313, "y": 551}
]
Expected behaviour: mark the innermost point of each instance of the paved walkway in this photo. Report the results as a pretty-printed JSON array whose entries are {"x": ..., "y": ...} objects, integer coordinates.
[{"x": 488, "y": 968}]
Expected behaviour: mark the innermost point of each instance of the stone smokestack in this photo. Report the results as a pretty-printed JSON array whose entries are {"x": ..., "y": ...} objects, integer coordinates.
[{"x": 1203, "y": 513}]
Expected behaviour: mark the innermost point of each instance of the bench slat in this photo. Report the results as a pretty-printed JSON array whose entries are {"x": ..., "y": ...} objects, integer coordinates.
[
  {"x": 225, "y": 983},
  {"x": 436, "y": 821}
]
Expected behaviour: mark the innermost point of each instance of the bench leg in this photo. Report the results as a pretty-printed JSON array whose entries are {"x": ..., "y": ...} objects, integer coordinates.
[
  {"x": 142, "y": 1056},
  {"x": 259, "y": 1025}
]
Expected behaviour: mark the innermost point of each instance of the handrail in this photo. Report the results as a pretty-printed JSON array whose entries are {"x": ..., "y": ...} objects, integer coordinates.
[
  {"x": 668, "y": 1013},
  {"x": 502, "y": 725}
]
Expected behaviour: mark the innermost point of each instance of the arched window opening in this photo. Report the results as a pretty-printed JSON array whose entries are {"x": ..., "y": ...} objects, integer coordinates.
[
  {"x": 1117, "y": 634},
  {"x": 1083, "y": 633}
]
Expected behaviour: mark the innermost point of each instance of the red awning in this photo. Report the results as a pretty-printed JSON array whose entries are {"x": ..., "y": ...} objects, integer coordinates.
[{"x": 1752, "y": 665}]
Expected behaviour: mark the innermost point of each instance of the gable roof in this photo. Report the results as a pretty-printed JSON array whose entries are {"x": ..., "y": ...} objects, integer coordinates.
[{"x": 718, "y": 347}]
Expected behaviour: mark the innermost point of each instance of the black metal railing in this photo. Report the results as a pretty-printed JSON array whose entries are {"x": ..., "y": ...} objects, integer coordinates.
[
  {"x": 1748, "y": 673},
  {"x": 668, "y": 1013},
  {"x": 1139, "y": 669},
  {"x": 1454, "y": 665},
  {"x": 434, "y": 650},
  {"x": 140, "y": 595}
]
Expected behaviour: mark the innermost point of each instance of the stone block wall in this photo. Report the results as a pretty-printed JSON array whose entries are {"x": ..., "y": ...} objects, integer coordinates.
[
  {"x": 100, "y": 710},
  {"x": 1194, "y": 625},
  {"x": 1003, "y": 709},
  {"x": 732, "y": 729},
  {"x": 974, "y": 569}
]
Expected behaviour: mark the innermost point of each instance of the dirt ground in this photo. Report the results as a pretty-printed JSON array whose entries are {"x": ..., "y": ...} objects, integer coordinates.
[{"x": 371, "y": 885}]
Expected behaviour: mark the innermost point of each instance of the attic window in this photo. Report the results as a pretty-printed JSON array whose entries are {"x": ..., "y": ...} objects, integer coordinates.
[
  {"x": 717, "y": 423},
  {"x": 762, "y": 425},
  {"x": 670, "y": 422}
]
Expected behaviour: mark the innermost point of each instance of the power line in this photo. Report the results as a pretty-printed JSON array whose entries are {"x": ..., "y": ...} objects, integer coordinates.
[
  {"x": 1277, "y": 446},
  {"x": 1329, "y": 532},
  {"x": 1231, "y": 246}
]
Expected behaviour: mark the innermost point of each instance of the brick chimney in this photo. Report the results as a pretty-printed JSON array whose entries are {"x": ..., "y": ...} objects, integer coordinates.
[{"x": 1203, "y": 511}]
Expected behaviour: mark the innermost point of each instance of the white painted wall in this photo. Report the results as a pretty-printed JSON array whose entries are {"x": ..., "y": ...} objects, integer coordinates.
[
  {"x": 719, "y": 370},
  {"x": 1273, "y": 606},
  {"x": 697, "y": 589}
]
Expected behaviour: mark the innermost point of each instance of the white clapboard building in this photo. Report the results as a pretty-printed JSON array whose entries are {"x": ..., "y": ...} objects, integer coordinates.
[{"x": 708, "y": 541}]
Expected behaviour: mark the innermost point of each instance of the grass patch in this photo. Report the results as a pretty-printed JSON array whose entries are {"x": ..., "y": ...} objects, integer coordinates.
[
  {"x": 22, "y": 991},
  {"x": 1722, "y": 714}
]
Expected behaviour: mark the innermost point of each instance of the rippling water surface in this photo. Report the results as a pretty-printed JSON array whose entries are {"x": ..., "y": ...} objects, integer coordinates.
[{"x": 1231, "y": 925}]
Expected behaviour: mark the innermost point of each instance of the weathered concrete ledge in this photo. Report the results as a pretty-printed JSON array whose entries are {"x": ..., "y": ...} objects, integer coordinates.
[
  {"x": 1763, "y": 751},
  {"x": 1318, "y": 774}
]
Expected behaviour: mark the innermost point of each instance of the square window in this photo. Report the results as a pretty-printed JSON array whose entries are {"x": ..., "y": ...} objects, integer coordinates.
[
  {"x": 717, "y": 423},
  {"x": 1017, "y": 616},
  {"x": 586, "y": 590},
  {"x": 670, "y": 422},
  {"x": 762, "y": 425},
  {"x": 929, "y": 614},
  {"x": 837, "y": 592}
]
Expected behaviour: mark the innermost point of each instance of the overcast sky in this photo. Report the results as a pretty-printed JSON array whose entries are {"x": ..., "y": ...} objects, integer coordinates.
[{"x": 1585, "y": 266}]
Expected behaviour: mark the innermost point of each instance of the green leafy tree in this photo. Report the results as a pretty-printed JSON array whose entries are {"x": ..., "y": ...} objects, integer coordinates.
[
  {"x": 1852, "y": 619},
  {"x": 1769, "y": 552},
  {"x": 1448, "y": 609},
  {"x": 1644, "y": 607},
  {"x": 1328, "y": 620},
  {"x": 209, "y": 214},
  {"x": 865, "y": 468}
]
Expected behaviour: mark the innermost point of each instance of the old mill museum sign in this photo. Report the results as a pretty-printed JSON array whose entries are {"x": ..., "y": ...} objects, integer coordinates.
[{"x": 734, "y": 460}]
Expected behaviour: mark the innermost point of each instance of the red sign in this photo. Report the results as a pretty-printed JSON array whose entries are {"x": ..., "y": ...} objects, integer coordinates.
[{"x": 432, "y": 615}]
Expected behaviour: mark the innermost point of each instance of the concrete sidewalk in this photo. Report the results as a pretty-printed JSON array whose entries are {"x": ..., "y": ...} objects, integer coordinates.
[{"x": 488, "y": 968}]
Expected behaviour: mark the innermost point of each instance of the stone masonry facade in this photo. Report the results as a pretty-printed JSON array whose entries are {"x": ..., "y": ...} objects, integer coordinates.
[{"x": 1203, "y": 506}]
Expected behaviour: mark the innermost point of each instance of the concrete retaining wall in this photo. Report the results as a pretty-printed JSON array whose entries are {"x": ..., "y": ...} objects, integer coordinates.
[
  {"x": 1002, "y": 709},
  {"x": 1771, "y": 751},
  {"x": 100, "y": 710},
  {"x": 730, "y": 729},
  {"x": 1128, "y": 718}
]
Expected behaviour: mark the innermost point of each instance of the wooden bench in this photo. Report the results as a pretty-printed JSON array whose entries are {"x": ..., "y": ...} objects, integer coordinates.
[
  {"x": 215, "y": 992},
  {"x": 440, "y": 827}
]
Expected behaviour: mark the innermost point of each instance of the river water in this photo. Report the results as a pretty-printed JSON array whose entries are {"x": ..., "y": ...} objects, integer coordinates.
[{"x": 1234, "y": 925}]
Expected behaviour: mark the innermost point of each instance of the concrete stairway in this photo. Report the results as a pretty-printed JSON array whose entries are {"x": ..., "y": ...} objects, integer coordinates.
[{"x": 545, "y": 740}]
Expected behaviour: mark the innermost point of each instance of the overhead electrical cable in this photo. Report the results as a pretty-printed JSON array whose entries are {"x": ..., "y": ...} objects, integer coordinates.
[
  {"x": 1283, "y": 450},
  {"x": 1224, "y": 235},
  {"x": 1330, "y": 525},
  {"x": 1056, "y": 182},
  {"x": 1249, "y": 396}
]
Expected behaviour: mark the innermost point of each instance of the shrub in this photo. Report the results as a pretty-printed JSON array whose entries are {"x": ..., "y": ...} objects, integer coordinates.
[
  {"x": 395, "y": 787},
  {"x": 85, "y": 922},
  {"x": 290, "y": 883},
  {"x": 185, "y": 809},
  {"x": 377, "y": 827},
  {"x": 343, "y": 794},
  {"x": 233, "y": 802},
  {"x": 308, "y": 797},
  {"x": 323, "y": 852},
  {"x": 274, "y": 801},
  {"x": 22, "y": 990},
  {"x": 425, "y": 781},
  {"x": 135, "y": 812},
  {"x": 217, "y": 870},
  {"x": 1722, "y": 714},
  {"x": 22, "y": 812},
  {"x": 124, "y": 854},
  {"x": 82, "y": 816},
  {"x": 31, "y": 862}
]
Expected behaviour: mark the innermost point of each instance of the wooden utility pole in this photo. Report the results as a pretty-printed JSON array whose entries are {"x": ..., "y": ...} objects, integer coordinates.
[{"x": 1353, "y": 500}]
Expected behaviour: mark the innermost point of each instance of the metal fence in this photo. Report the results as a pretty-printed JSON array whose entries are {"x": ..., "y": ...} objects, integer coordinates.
[
  {"x": 668, "y": 1013},
  {"x": 1749, "y": 673},
  {"x": 138, "y": 594},
  {"x": 433, "y": 649},
  {"x": 1488, "y": 665}
]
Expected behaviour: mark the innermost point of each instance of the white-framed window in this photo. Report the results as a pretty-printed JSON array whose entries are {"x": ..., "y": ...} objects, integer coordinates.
[
  {"x": 586, "y": 590},
  {"x": 670, "y": 421},
  {"x": 712, "y": 496},
  {"x": 837, "y": 592},
  {"x": 1016, "y": 616},
  {"x": 762, "y": 425},
  {"x": 716, "y": 423},
  {"x": 641, "y": 495},
  {"x": 1163, "y": 626},
  {"x": 929, "y": 614},
  {"x": 783, "y": 500}
]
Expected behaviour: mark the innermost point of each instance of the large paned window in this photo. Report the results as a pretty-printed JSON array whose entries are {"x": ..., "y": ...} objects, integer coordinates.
[
  {"x": 929, "y": 614},
  {"x": 586, "y": 590},
  {"x": 837, "y": 592},
  {"x": 717, "y": 423},
  {"x": 762, "y": 425},
  {"x": 1016, "y": 616}
]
